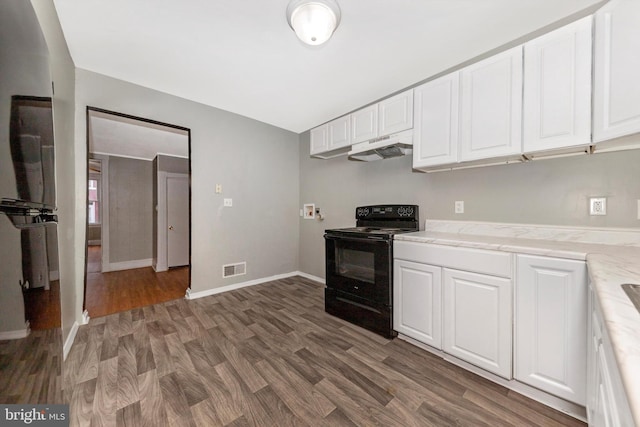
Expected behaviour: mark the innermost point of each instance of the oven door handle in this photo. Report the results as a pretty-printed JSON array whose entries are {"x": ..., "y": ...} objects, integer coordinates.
[{"x": 358, "y": 239}]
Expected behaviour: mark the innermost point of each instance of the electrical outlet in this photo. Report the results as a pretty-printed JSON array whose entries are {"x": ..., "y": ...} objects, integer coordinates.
[
  {"x": 459, "y": 207},
  {"x": 598, "y": 206},
  {"x": 228, "y": 202}
]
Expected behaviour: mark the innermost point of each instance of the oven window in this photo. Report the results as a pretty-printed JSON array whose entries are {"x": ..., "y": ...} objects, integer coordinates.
[{"x": 358, "y": 265}]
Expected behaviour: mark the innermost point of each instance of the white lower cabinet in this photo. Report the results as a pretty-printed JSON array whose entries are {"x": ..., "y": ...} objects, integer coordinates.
[
  {"x": 551, "y": 326},
  {"x": 453, "y": 299},
  {"x": 417, "y": 291},
  {"x": 477, "y": 320},
  {"x": 607, "y": 404}
]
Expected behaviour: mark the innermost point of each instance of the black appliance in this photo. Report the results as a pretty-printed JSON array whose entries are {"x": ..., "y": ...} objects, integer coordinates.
[{"x": 359, "y": 266}]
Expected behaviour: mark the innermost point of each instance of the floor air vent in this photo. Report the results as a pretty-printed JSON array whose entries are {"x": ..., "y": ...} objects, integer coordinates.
[{"x": 237, "y": 269}]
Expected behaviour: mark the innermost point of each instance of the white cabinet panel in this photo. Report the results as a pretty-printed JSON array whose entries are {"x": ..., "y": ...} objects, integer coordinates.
[
  {"x": 339, "y": 133},
  {"x": 616, "y": 100},
  {"x": 551, "y": 332},
  {"x": 417, "y": 302},
  {"x": 491, "y": 110},
  {"x": 319, "y": 139},
  {"x": 557, "y": 88},
  {"x": 435, "y": 131},
  {"x": 607, "y": 403},
  {"x": 396, "y": 113},
  {"x": 364, "y": 124},
  {"x": 477, "y": 320}
]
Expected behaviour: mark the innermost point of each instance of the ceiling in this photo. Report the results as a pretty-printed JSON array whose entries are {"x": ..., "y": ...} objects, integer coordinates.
[
  {"x": 241, "y": 56},
  {"x": 126, "y": 137}
]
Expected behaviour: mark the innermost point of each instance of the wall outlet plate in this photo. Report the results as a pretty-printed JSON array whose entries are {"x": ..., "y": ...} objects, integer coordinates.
[
  {"x": 597, "y": 206},
  {"x": 228, "y": 202},
  {"x": 459, "y": 207}
]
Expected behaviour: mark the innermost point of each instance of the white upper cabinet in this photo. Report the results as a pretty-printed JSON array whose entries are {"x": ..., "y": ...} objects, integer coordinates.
[
  {"x": 491, "y": 110},
  {"x": 557, "y": 88},
  {"x": 396, "y": 113},
  {"x": 616, "y": 101},
  {"x": 364, "y": 124},
  {"x": 319, "y": 140},
  {"x": 392, "y": 115},
  {"x": 339, "y": 133},
  {"x": 331, "y": 139},
  {"x": 435, "y": 123}
]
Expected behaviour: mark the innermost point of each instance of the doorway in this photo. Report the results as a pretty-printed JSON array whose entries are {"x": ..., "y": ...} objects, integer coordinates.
[{"x": 128, "y": 206}]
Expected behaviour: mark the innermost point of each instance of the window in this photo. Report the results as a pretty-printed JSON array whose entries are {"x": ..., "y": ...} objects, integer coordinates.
[{"x": 94, "y": 201}]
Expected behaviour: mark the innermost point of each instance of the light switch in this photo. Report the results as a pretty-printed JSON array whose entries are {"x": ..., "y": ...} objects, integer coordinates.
[{"x": 218, "y": 188}]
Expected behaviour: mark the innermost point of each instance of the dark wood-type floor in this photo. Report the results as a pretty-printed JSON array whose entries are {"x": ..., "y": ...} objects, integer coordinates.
[
  {"x": 268, "y": 355},
  {"x": 42, "y": 307},
  {"x": 31, "y": 369},
  {"x": 117, "y": 291}
]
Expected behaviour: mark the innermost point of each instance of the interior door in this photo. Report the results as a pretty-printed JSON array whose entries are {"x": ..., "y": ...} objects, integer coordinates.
[{"x": 177, "y": 220}]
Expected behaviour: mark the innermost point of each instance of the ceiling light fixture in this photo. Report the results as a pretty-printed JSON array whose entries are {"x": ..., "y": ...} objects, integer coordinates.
[{"x": 314, "y": 21}]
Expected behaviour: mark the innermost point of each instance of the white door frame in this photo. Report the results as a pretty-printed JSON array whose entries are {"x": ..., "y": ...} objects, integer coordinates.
[{"x": 162, "y": 263}]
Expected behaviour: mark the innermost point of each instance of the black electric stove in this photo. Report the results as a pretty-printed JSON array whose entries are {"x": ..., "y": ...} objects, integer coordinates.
[{"x": 359, "y": 266}]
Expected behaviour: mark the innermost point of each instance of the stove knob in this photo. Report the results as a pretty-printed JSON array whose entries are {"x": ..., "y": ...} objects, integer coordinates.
[{"x": 365, "y": 211}]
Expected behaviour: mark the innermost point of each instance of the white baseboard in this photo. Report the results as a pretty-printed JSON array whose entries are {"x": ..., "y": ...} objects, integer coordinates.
[
  {"x": 54, "y": 275},
  {"x": 195, "y": 295},
  {"x": 127, "y": 265},
  {"x": 69, "y": 341},
  {"x": 16, "y": 335},
  {"x": 311, "y": 277}
]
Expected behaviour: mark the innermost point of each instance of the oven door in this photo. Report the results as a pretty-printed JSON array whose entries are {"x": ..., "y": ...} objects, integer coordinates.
[{"x": 359, "y": 268}]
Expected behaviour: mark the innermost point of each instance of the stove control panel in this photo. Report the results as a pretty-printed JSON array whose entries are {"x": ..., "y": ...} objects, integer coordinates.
[{"x": 387, "y": 212}]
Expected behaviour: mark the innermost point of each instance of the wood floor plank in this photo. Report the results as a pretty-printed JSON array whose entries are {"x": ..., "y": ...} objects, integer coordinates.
[
  {"x": 127, "y": 372},
  {"x": 152, "y": 407},
  {"x": 105, "y": 399}
]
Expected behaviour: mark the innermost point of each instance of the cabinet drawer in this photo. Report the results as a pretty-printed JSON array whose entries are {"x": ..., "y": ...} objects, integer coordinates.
[{"x": 475, "y": 260}]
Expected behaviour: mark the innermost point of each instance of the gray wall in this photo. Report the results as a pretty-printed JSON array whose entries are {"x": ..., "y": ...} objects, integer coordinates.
[
  {"x": 69, "y": 189},
  {"x": 172, "y": 164},
  {"x": 257, "y": 165},
  {"x": 548, "y": 191},
  {"x": 130, "y": 209}
]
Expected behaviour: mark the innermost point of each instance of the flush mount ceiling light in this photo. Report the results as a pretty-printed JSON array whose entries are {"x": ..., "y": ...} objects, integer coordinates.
[{"x": 314, "y": 21}]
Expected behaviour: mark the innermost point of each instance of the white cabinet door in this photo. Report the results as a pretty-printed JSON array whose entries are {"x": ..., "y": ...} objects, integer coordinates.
[
  {"x": 477, "y": 320},
  {"x": 364, "y": 124},
  {"x": 551, "y": 326},
  {"x": 319, "y": 139},
  {"x": 607, "y": 403},
  {"x": 491, "y": 110},
  {"x": 417, "y": 302},
  {"x": 435, "y": 122},
  {"x": 616, "y": 101},
  {"x": 396, "y": 113},
  {"x": 557, "y": 88},
  {"x": 339, "y": 131}
]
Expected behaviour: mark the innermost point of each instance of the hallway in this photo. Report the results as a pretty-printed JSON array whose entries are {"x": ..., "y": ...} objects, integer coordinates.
[{"x": 117, "y": 291}]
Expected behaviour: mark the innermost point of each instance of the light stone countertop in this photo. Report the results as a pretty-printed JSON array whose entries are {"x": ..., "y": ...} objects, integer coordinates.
[{"x": 613, "y": 260}]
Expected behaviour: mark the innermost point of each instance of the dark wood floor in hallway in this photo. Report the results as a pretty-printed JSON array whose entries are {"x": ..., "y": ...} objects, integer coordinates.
[
  {"x": 268, "y": 355},
  {"x": 117, "y": 291}
]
